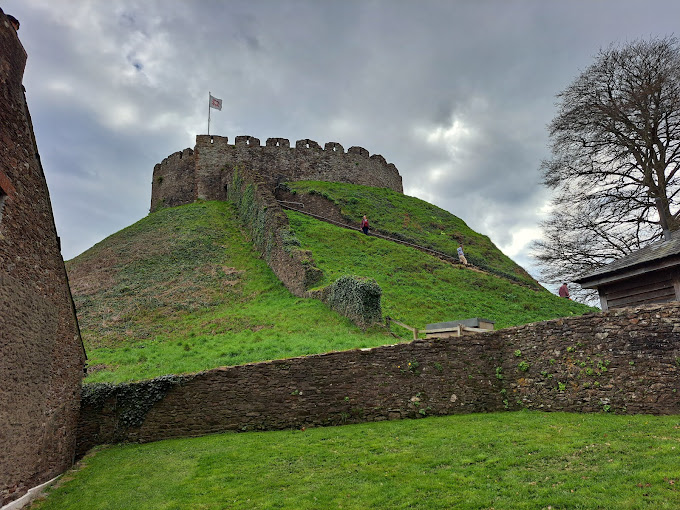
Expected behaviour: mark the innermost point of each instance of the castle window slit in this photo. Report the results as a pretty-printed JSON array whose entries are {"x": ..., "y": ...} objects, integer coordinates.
[{"x": 3, "y": 196}]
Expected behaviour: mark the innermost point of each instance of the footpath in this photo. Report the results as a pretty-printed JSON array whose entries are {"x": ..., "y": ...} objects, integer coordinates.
[{"x": 440, "y": 255}]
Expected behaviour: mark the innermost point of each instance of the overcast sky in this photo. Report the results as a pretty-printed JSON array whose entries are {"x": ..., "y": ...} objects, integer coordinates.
[{"x": 457, "y": 94}]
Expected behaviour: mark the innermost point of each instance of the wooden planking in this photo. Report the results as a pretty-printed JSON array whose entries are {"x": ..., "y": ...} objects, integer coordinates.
[
  {"x": 647, "y": 278},
  {"x": 652, "y": 287},
  {"x": 656, "y": 296},
  {"x": 676, "y": 284},
  {"x": 639, "y": 287},
  {"x": 641, "y": 294}
]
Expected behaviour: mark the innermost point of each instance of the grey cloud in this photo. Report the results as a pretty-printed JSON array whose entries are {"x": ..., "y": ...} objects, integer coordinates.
[{"x": 114, "y": 87}]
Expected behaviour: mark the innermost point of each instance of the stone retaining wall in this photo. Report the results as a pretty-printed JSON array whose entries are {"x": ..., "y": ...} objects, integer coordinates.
[{"x": 623, "y": 361}]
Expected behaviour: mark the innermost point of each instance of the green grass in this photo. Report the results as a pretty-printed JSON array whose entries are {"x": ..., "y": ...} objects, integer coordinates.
[
  {"x": 522, "y": 460},
  {"x": 418, "y": 288},
  {"x": 182, "y": 290},
  {"x": 419, "y": 222}
]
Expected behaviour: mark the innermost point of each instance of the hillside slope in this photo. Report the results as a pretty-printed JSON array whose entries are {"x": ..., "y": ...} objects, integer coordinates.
[
  {"x": 419, "y": 288},
  {"x": 182, "y": 290},
  {"x": 416, "y": 221}
]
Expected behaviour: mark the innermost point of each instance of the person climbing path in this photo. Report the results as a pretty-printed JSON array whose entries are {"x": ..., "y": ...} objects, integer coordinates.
[
  {"x": 461, "y": 255},
  {"x": 364, "y": 225}
]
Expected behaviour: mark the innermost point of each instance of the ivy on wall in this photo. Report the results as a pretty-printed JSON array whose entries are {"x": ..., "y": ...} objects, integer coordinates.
[
  {"x": 357, "y": 298},
  {"x": 269, "y": 226},
  {"x": 130, "y": 402},
  {"x": 253, "y": 212}
]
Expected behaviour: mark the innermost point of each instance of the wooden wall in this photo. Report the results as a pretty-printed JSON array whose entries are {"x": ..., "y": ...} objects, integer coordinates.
[{"x": 660, "y": 286}]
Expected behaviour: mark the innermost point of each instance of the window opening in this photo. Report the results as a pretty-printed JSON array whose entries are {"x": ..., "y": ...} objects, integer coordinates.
[{"x": 3, "y": 196}]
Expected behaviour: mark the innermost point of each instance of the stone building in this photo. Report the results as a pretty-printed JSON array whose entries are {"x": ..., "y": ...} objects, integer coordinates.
[
  {"x": 41, "y": 352},
  {"x": 205, "y": 171}
]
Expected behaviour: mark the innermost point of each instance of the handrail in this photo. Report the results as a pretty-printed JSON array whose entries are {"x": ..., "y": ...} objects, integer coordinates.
[
  {"x": 389, "y": 320},
  {"x": 381, "y": 236},
  {"x": 442, "y": 256}
]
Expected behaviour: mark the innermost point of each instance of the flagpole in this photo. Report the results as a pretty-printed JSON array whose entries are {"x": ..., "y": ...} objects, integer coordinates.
[{"x": 209, "y": 112}]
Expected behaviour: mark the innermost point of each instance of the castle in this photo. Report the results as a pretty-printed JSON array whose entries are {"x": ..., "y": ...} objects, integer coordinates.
[
  {"x": 205, "y": 172},
  {"x": 625, "y": 360}
]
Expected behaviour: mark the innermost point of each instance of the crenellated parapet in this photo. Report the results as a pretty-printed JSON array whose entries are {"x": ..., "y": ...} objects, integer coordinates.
[{"x": 205, "y": 171}]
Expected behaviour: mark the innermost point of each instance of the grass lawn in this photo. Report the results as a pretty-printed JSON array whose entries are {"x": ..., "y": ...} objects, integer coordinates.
[
  {"x": 414, "y": 220},
  {"x": 519, "y": 460}
]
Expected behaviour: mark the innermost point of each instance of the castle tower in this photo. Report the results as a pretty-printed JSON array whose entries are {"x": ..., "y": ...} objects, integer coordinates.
[
  {"x": 204, "y": 172},
  {"x": 41, "y": 353}
]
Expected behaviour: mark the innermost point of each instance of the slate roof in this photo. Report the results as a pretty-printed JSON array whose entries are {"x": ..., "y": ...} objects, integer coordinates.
[{"x": 653, "y": 252}]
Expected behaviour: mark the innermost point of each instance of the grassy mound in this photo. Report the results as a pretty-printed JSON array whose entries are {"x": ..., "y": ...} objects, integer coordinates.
[
  {"x": 418, "y": 288},
  {"x": 416, "y": 221},
  {"x": 182, "y": 290}
]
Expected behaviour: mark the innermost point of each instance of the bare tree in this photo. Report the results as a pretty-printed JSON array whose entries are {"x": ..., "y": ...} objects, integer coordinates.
[{"x": 615, "y": 146}]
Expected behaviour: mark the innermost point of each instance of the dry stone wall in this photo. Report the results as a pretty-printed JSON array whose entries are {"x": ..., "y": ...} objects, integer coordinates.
[
  {"x": 175, "y": 182},
  {"x": 41, "y": 354},
  {"x": 270, "y": 232},
  {"x": 623, "y": 361}
]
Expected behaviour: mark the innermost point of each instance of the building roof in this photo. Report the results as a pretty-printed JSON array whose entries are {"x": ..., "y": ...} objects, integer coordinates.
[{"x": 654, "y": 256}]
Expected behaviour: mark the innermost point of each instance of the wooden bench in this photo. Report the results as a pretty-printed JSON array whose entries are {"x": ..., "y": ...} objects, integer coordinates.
[{"x": 458, "y": 328}]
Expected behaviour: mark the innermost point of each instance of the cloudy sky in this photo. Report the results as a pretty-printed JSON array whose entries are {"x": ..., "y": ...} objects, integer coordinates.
[{"x": 457, "y": 94}]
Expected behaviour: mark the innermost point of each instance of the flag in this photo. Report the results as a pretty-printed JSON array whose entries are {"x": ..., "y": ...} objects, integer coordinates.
[{"x": 215, "y": 103}]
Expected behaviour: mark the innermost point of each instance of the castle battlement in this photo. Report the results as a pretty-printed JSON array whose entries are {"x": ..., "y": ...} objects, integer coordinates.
[{"x": 205, "y": 171}]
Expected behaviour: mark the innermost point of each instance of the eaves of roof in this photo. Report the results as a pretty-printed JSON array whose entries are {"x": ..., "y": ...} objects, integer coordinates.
[{"x": 656, "y": 256}]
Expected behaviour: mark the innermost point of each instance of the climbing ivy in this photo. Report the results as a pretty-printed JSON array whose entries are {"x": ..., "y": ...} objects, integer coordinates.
[
  {"x": 131, "y": 401},
  {"x": 357, "y": 298},
  {"x": 266, "y": 230}
]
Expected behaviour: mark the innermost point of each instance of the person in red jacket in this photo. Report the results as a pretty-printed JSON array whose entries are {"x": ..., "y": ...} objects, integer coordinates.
[
  {"x": 564, "y": 291},
  {"x": 364, "y": 225}
]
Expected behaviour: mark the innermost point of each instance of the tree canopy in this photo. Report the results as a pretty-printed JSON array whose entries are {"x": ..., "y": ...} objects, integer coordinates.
[{"x": 615, "y": 145}]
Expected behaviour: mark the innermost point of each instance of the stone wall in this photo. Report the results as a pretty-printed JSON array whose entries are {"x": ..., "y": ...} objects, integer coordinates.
[
  {"x": 625, "y": 361},
  {"x": 174, "y": 180},
  {"x": 276, "y": 161},
  {"x": 41, "y": 354},
  {"x": 270, "y": 231},
  {"x": 401, "y": 381}
]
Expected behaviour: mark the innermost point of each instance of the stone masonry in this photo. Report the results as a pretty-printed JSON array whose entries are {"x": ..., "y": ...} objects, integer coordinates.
[
  {"x": 622, "y": 361},
  {"x": 41, "y": 353},
  {"x": 203, "y": 173}
]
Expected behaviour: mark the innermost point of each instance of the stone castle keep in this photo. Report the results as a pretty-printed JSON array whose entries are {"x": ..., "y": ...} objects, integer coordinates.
[{"x": 206, "y": 171}]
